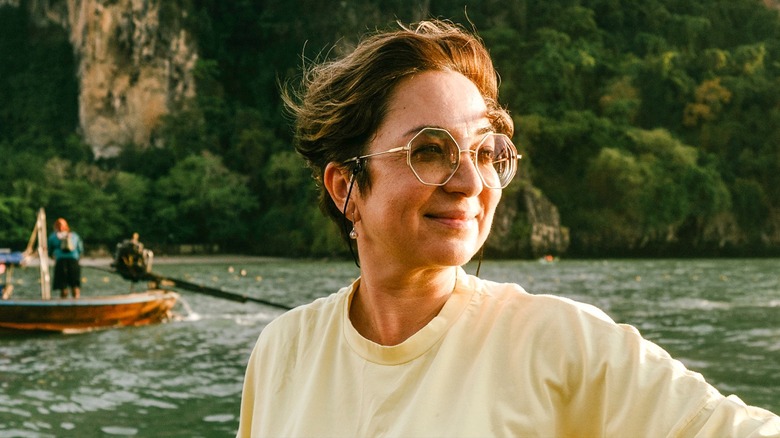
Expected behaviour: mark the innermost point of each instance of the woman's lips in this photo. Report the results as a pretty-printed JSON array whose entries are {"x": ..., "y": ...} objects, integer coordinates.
[{"x": 454, "y": 219}]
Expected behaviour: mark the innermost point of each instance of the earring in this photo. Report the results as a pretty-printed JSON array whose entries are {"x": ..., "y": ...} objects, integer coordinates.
[{"x": 353, "y": 234}]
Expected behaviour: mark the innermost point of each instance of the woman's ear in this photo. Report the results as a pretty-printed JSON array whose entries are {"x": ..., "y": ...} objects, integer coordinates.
[{"x": 336, "y": 181}]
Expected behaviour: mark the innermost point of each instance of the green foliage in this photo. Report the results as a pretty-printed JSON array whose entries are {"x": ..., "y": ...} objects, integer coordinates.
[
  {"x": 186, "y": 133},
  {"x": 149, "y": 162},
  {"x": 752, "y": 205},
  {"x": 76, "y": 191},
  {"x": 201, "y": 201},
  {"x": 15, "y": 210},
  {"x": 642, "y": 121},
  {"x": 676, "y": 186},
  {"x": 37, "y": 99},
  {"x": 132, "y": 194},
  {"x": 293, "y": 224}
]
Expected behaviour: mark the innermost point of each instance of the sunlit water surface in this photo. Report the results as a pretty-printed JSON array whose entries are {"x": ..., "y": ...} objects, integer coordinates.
[{"x": 183, "y": 378}]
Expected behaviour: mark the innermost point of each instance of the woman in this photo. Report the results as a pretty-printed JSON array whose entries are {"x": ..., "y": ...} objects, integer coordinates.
[
  {"x": 66, "y": 247},
  {"x": 411, "y": 150}
]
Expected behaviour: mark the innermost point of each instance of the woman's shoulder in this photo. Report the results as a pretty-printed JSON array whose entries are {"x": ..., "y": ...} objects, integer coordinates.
[
  {"x": 563, "y": 323},
  {"x": 514, "y": 297}
]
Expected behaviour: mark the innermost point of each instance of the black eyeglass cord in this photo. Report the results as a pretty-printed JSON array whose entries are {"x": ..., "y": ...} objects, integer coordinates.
[
  {"x": 355, "y": 171},
  {"x": 479, "y": 264}
]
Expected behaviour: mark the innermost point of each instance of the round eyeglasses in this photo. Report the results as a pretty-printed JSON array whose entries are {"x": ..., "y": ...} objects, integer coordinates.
[{"x": 434, "y": 157}]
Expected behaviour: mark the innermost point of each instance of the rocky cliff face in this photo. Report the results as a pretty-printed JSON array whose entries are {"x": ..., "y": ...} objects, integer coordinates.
[
  {"x": 527, "y": 225},
  {"x": 135, "y": 65}
]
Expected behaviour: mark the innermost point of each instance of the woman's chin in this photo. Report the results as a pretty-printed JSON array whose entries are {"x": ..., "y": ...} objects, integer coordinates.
[{"x": 453, "y": 255}]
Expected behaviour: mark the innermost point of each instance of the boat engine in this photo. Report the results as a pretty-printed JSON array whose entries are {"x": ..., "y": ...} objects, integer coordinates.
[{"x": 132, "y": 261}]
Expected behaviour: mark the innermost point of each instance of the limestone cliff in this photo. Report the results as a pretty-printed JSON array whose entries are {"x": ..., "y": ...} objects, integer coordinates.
[
  {"x": 526, "y": 225},
  {"x": 135, "y": 65}
]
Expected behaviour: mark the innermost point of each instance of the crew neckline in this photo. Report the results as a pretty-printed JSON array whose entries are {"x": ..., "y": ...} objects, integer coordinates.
[{"x": 418, "y": 343}]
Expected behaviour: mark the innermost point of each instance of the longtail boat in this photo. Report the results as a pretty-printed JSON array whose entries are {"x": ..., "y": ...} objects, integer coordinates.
[
  {"x": 81, "y": 314},
  {"x": 74, "y": 314}
]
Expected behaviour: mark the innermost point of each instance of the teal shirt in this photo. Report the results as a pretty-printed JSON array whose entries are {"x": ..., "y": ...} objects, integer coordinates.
[{"x": 54, "y": 247}]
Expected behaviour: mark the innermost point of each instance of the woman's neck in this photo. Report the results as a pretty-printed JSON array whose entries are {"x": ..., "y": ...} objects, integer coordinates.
[{"x": 389, "y": 309}]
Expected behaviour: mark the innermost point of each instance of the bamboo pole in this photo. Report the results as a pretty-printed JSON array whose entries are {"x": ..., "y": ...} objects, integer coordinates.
[{"x": 43, "y": 254}]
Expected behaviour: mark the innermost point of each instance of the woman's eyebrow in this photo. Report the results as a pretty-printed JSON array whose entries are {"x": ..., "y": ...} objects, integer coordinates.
[
  {"x": 485, "y": 130},
  {"x": 417, "y": 129}
]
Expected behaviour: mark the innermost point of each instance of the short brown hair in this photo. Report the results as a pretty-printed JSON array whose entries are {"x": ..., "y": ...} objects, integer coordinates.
[
  {"x": 61, "y": 225},
  {"x": 342, "y": 102}
]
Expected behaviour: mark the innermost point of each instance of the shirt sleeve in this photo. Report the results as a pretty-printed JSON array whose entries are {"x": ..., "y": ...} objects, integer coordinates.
[
  {"x": 625, "y": 385},
  {"x": 731, "y": 417}
]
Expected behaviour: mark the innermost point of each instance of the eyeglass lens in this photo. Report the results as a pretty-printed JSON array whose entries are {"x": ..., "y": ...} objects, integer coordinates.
[{"x": 434, "y": 156}]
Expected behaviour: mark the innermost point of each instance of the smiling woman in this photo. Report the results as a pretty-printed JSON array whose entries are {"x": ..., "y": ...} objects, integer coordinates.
[{"x": 415, "y": 346}]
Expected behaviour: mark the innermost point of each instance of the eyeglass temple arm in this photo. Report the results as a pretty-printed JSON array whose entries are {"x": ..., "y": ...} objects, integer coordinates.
[{"x": 389, "y": 151}]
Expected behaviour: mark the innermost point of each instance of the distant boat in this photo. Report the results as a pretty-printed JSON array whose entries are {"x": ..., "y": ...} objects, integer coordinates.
[
  {"x": 549, "y": 258},
  {"x": 82, "y": 314},
  {"x": 75, "y": 314}
]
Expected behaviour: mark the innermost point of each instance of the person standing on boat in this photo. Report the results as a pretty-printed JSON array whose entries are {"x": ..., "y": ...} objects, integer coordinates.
[
  {"x": 411, "y": 151},
  {"x": 66, "y": 247}
]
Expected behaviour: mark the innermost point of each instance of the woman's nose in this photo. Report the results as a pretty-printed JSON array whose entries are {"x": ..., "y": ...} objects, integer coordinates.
[{"x": 466, "y": 178}]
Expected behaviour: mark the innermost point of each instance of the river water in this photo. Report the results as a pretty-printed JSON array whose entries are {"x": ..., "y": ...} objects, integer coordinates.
[{"x": 183, "y": 378}]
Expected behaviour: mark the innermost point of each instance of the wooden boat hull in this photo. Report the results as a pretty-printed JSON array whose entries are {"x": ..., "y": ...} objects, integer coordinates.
[{"x": 82, "y": 314}]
